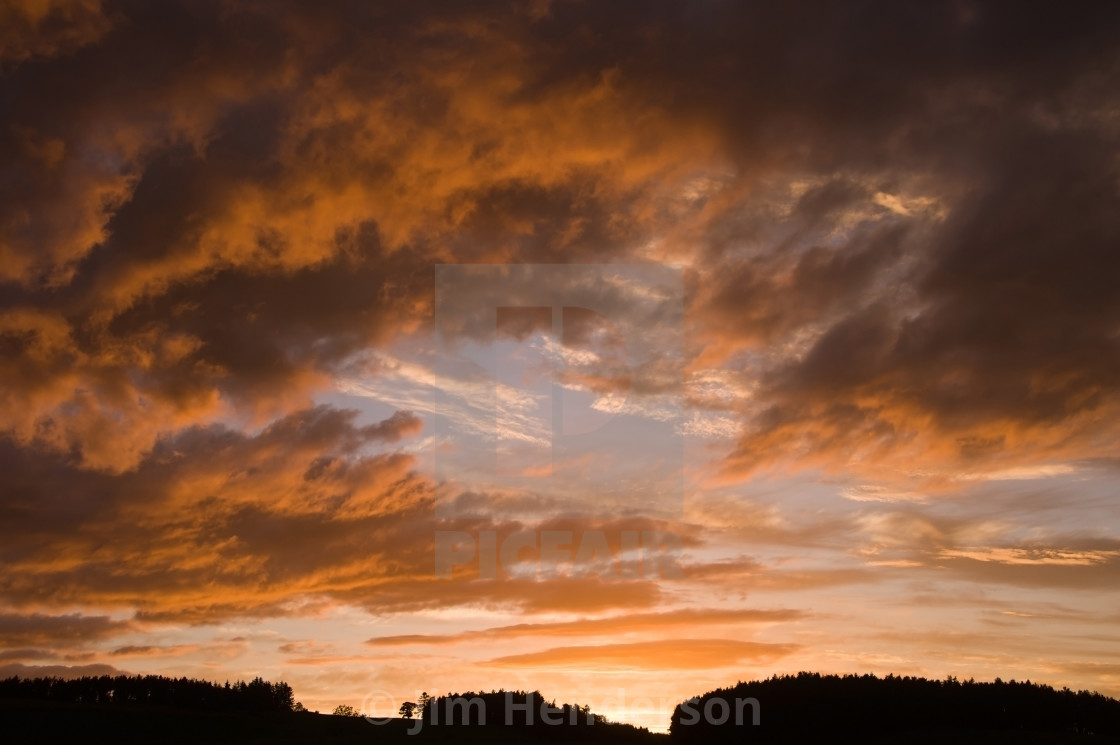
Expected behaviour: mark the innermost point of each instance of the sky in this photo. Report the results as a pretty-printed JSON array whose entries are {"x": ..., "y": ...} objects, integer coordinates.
[{"x": 616, "y": 350}]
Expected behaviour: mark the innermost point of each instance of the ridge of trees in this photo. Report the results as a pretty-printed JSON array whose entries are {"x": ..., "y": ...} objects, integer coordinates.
[
  {"x": 529, "y": 708},
  {"x": 258, "y": 695},
  {"x": 529, "y": 715},
  {"x": 810, "y": 705},
  {"x": 806, "y": 706}
]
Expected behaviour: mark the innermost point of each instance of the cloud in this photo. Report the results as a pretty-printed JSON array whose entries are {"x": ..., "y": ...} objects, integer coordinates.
[
  {"x": 217, "y": 524},
  {"x": 213, "y": 522},
  {"x": 746, "y": 574},
  {"x": 613, "y": 625},
  {"x": 400, "y": 425},
  {"x": 1034, "y": 556},
  {"x": 33, "y": 29},
  {"x": 18, "y": 630},
  {"x": 669, "y": 654},
  {"x": 1035, "y": 567},
  {"x": 583, "y": 595},
  {"x": 58, "y": 671},
  {"x": 175, "y": 219}
]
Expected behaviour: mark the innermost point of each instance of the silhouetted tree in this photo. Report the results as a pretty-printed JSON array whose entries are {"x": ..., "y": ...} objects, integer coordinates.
[{"x": 346, "y": 710}]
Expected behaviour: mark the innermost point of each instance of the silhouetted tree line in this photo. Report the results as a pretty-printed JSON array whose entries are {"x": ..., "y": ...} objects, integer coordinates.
[
  {"x": 519, "y": 708},
  {"x": 257, "y": 695},
  {"x": 509, "y": 712},
  {"x": 809, "y": 706}
]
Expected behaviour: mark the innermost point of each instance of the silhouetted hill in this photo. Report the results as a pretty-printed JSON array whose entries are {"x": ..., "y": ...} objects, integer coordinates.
[
  {"x": 864, "y": 708},
  {"x": 147, "y": 709},
  {"x": 257, "y": 695},
  {"x": 34, "y": 722},
  {"x": 806, "y": 708},
  {"x": 521, "y": 716}
]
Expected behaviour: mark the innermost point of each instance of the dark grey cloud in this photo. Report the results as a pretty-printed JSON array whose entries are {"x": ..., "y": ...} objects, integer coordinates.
[{"x": 18, "y": 630}]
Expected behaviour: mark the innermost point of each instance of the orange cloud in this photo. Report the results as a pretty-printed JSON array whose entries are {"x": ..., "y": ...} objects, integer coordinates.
[
  {"x": 33, "y": 28},
  {"x": 668, "y": 654},
  {"x": 613, "y": 625},
  {"x": 18, "y": 630}
]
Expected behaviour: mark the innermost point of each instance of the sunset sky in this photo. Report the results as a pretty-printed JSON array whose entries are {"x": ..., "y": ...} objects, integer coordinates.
[{"x": 822, "y": 294}]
